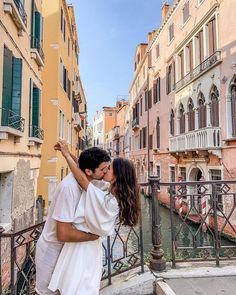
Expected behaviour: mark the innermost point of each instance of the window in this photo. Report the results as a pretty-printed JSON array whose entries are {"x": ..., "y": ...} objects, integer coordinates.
[
  {"x": 181, "y": 119},
  {"x": 141, "y": 106},
  {"x": 233, "y": 109},
  {"x": 199, "y": 48},
  {"x": 189, "y": 57},
  {"x": 68, "y": 46},
  {"x": 191, "y": 115},
  {"x": 170, "y": 77},
  {"x": 61, "y": 124},
  {"x": 171, "y": 32},
  {"x": 36, "y": 28},
  {"x": 34, "y": 110},
  {"x": 182, "y": 171},
  {"x": 11, "y": 92},
  {"x": 156, "y": 90},
  {"x": 158, "y": 171},
  {"x": 140, "y": 138},
  {"x": 172, "y": 174},
  {"x": 158, "y": 131},
  {"x": 146, "y": 100},
  {"x": 214, "y": 105},
  {"x": 181, "y": 65},
  {"x": 212, "y": 36},
  {"x": 185, "y": 12},
  {"x": 149, "y": 99},
  {"x": 144, "y": 137},
  {"x": 172, "y": 123},
  {"x": 157, "y": 51},
  {"x": 69, "y": 132},
  {"x": 201, "y": 111}
]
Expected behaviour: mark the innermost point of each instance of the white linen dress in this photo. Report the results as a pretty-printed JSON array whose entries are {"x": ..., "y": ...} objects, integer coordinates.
[{"x": 79, "y": 267}]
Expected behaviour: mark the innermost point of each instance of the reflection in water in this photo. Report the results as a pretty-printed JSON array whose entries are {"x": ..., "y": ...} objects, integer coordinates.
[{"x": 188, "y": 234}]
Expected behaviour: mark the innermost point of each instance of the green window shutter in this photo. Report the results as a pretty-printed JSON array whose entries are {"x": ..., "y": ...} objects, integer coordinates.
[
  {"x": 16, "y": 85},
  {"x": 35, "y": 107},
  {"x": 30, "y": 105},
  {"x": 37, "y": 29},
  {"x": 7, "y": 86},
  {"x": 32, "y": 23}
]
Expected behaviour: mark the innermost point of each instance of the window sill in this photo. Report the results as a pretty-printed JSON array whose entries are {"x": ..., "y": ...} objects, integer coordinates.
[
  {"x": 34, "y": 140},
  {"x": 6, "y": 130}
]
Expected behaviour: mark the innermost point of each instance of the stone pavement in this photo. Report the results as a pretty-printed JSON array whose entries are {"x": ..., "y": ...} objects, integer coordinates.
[{"x": 187, "y": 279}]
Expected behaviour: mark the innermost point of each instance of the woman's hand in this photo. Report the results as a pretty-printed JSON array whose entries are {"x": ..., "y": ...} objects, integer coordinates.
[{"x": 62, "y": 146}]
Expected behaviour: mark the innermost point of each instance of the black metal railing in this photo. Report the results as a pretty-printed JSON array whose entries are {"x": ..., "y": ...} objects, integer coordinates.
[
  {"x": 210, "y": 206},
  {"x": 21, "y": 10},
  {"x": 122, "y": 251},
  {"x": 12, "y": 119},
  {"x": 36, "y": 132},
  {"x": 196, "y": 72},
  {"x": 18, "y": 260},
  {"x": 37, "y": 44}
]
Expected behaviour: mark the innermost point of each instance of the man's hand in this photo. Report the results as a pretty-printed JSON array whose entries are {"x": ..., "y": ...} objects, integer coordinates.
[{"x": 67, "y": 233}]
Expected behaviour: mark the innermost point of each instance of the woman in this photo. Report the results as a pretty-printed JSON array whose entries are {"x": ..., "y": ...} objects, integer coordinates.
[{"x": 79, "y": 267}]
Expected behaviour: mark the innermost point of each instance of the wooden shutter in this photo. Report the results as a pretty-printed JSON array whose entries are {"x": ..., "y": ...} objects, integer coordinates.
[
  {"x": 7, "y": 86},
  {"x": 16, "y": 85},
  {"x": 190, "y": 47},
  {"x": 158, "y": 89},
  {"x": 150, "y": 98},
  {"x": 154, "y": 91},
  {"x": 201, "y": 48},
  {"x": 38, "y": 20},
  {"x": 35, "y": 107},
  {"x": 158, "y": 133},
  {"x": 233, "y": 108},
  {"x": 32, "y": 23}
]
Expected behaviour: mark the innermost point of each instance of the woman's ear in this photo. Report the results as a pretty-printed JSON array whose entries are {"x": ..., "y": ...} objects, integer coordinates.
[{"x": 88, "y": 172}]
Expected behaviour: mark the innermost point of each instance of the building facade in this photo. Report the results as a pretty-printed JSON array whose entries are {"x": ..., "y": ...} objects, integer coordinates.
[
  {"x": 21, "y": 134},
  {"x": 62, "y": 93}
]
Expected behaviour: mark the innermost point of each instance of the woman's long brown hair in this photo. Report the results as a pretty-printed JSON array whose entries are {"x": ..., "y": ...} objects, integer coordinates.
[{"x": 127, "y": 191}]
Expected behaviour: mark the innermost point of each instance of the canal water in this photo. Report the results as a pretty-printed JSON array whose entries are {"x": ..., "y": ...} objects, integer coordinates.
[{"x": 185, "y": 236}]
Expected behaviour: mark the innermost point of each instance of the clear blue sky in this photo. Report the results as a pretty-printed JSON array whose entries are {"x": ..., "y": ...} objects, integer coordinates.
[{"x": 109, "y": 31}]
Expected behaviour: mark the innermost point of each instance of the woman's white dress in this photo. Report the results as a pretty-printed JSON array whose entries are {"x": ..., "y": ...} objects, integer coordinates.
[{"x": 79, "y": 267}]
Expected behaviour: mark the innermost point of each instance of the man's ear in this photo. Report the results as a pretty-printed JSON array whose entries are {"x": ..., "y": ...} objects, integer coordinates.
[{"x": 88, "y": 172}]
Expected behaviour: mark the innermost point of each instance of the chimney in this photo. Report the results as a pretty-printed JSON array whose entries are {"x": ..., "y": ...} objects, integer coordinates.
[{"x": 164, "y": 10}]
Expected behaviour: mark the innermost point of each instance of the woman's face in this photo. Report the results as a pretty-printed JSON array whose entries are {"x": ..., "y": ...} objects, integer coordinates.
[{"x": 109, "y": 176}]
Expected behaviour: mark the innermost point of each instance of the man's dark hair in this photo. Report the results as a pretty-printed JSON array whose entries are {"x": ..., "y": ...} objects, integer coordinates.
[{"x": 92, "y": 158}]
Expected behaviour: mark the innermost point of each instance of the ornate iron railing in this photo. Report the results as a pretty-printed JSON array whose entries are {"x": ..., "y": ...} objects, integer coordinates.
[
  {"x": 21, "y": 10},
  {"x": 36, "y": 132},
  {"x": 18, "y": 260},
  {"x": 37, "y": 44},
  {"x": 210, "y": 206},
  {"x": 196, "y": 72},
  {"x": 12, "y": 119},
  {"x": 122, "y": 251}
]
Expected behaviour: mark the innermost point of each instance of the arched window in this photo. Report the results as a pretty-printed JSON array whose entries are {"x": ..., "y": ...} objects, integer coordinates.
[
  {"x": 191, "y": 115},
  {"x": 201, "y": 111},
  {"x": 233, "y": 109},
  {"x": 172, "y": 123},
  {"x": 181, "y": 119},
  {"x": 158, "y": 138},
  {"x": 214, "y": 103}
]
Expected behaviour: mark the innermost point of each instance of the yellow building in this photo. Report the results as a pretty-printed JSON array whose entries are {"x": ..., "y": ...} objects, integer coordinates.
[
  {"x": 62, "y": 91},
  {"x": 21, "y": 136}
]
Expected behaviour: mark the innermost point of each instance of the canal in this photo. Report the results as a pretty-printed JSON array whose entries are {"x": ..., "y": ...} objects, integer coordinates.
[{"x": 184, "y": 237}]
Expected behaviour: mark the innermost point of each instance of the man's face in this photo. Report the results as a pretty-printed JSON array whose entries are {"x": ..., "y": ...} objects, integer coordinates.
[{"x": 100, "y": 171}]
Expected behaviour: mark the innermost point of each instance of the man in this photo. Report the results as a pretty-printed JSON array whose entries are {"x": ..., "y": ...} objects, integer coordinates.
[{"x": 59, "y": 228}]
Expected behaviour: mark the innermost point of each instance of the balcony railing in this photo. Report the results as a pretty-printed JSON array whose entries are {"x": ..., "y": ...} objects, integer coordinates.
[
  {"x": 135, "y": 123},
  {"x": 37, "y": 44},
  {"x": 21, "y": 10},
  {"x": 36, "y": 132},
  {"x": 199, "y": 70},
  {"x": 202, "y": 139},
  {"x": 12, "y": 119}
]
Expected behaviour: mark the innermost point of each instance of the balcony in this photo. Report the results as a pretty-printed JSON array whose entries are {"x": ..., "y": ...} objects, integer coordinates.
[
  {"x": 11, "y": 123},
  {"x": 36, "y": 135},
  {"x": 37, "y": 51},
  {"x": 116, "y": 132},
  {"x": 16, "y": 10},
  {"x": 135, "y": 123},
  {"x": 202, "y": 139},
  {"x": 77, "y": 122},
  {"x": 205, "y": 66}
]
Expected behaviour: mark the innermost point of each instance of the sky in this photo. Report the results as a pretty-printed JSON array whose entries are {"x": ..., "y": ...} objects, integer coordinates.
[{"x": 109, "y": 31}]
